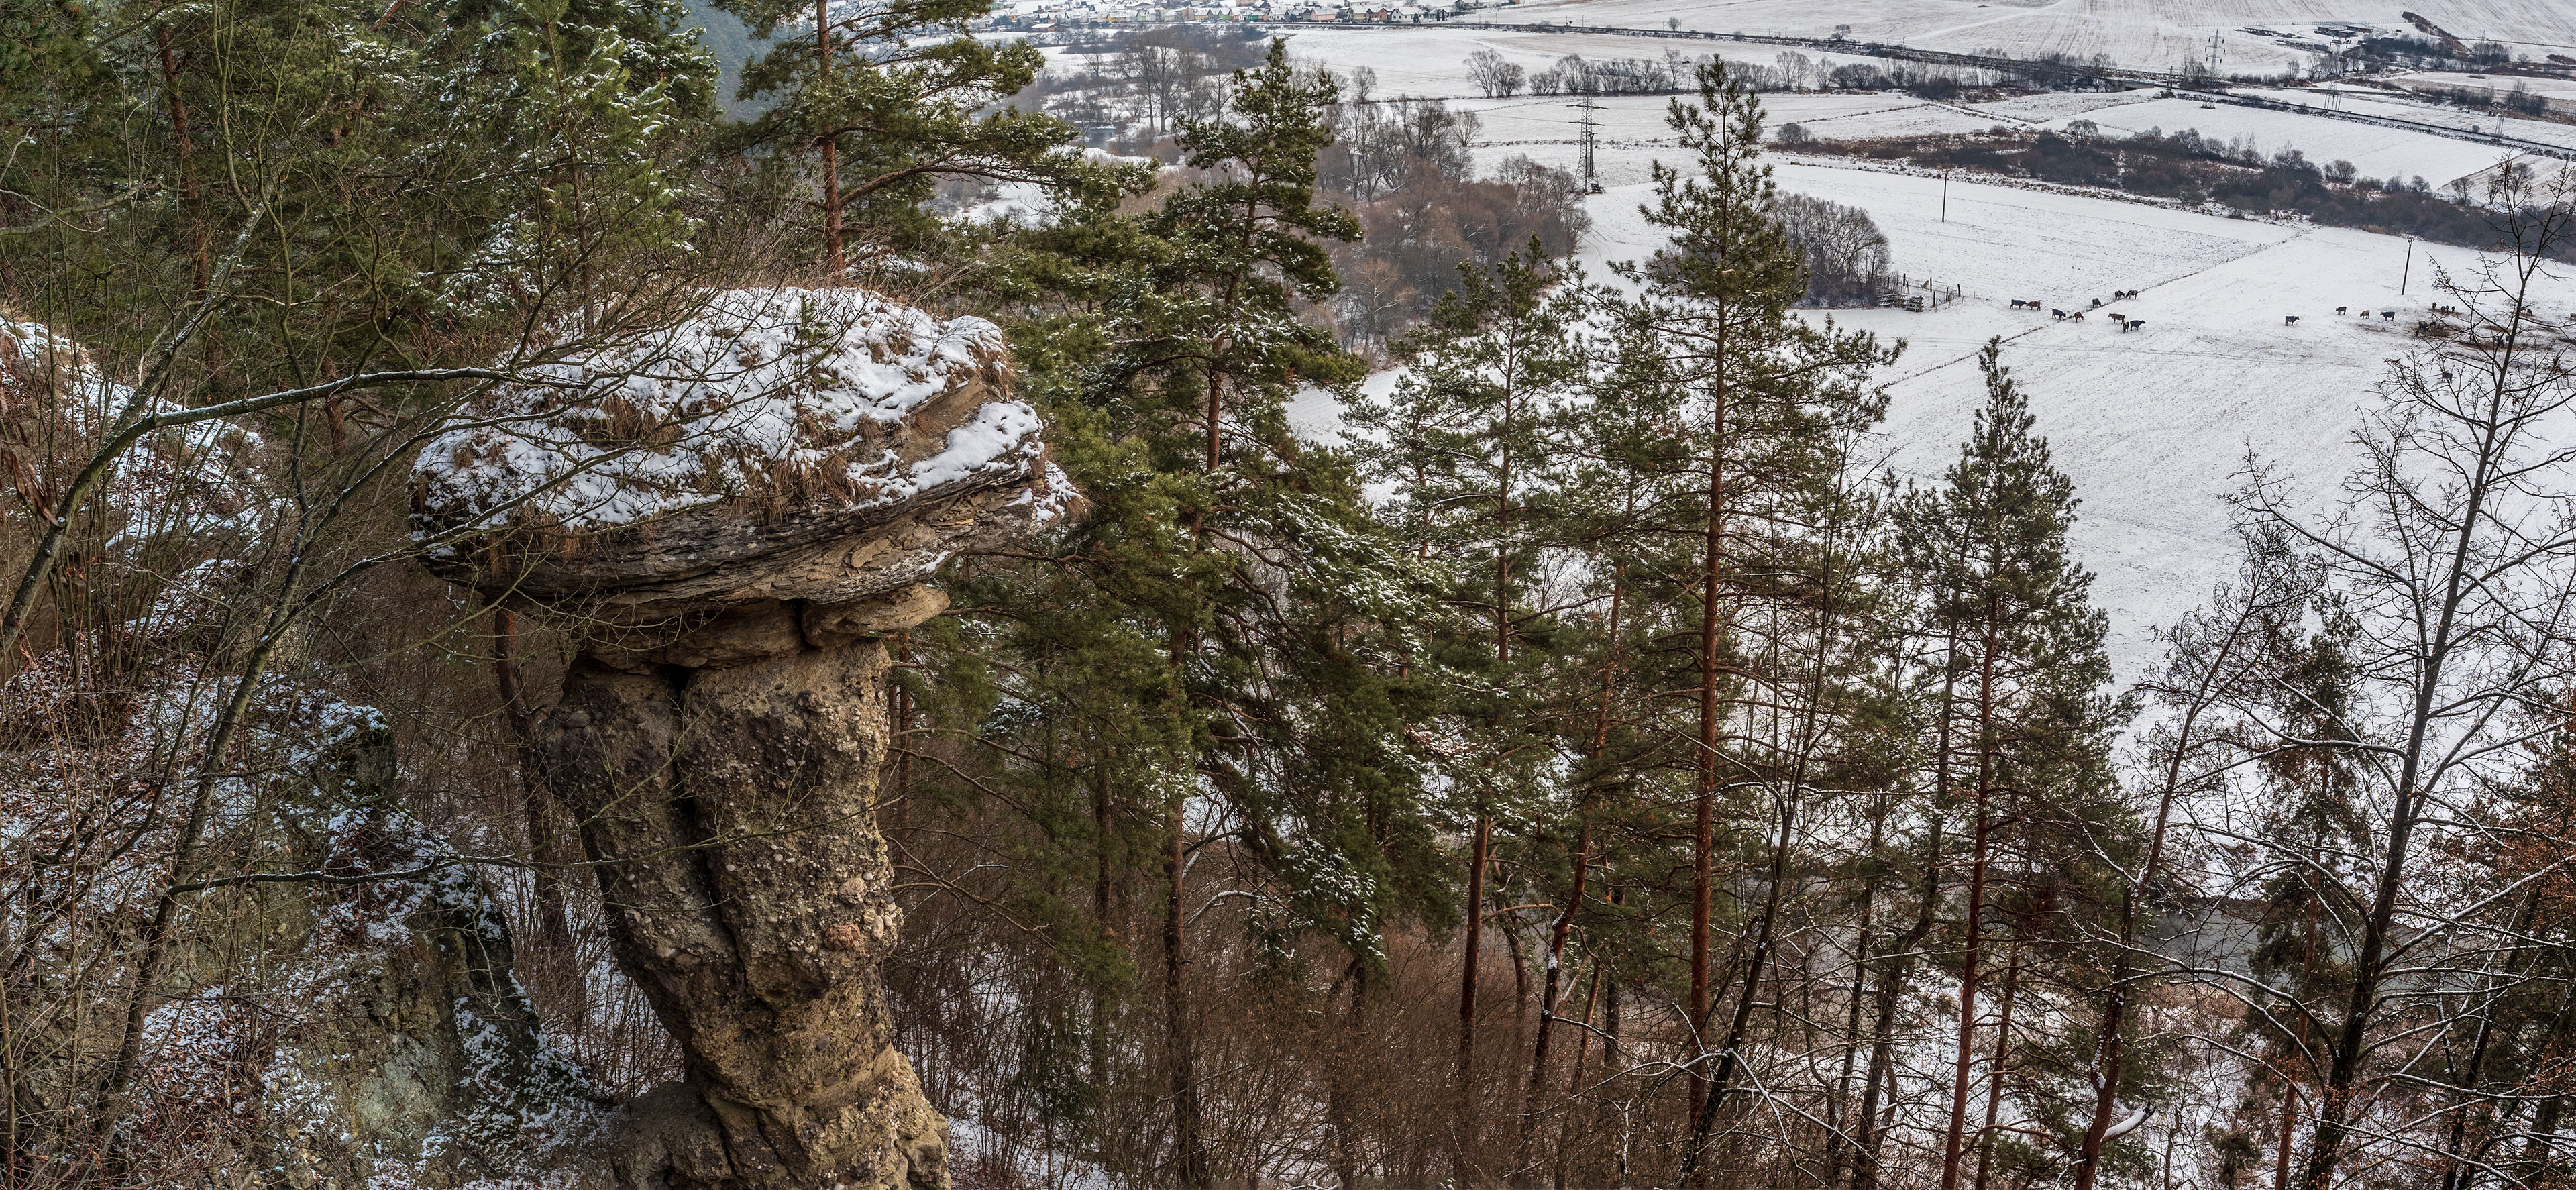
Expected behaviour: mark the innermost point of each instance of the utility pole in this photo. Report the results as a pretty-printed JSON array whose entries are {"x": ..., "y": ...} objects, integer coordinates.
[
  {"x": 2408, "y": 272},
  {"x": 1591, "y": 180},
  {"x": 1945, "y": 196}
]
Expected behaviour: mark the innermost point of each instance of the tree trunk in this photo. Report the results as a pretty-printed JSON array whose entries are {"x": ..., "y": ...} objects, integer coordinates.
[
  {"x": 2115, "y": 999},
  {"x": 1952, "y": 1148},
  {"x": 1574, "y": 1082},
  {"x": 2289, "y": 1132},
  {"x": 1995, "y": 1075},
  {"x": 833, "y": 261},
  {"x": 1339, "y": 1092},
  {"x": 1564, "y": 926},
  {"x": 1178, "y": 1037},
  {"x": 1837, "y": 1118},
  {"x": 1704, "y": 798},
  {"x": 554, "y": 925},
  {"x": 1462, "y": 1125}
]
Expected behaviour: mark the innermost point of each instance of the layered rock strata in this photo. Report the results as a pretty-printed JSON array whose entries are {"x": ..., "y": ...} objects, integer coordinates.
[{"x": 731, "y": 516}]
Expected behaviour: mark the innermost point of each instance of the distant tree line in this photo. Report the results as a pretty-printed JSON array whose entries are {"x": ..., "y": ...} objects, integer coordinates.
[{"x": 2195, "y": 169}]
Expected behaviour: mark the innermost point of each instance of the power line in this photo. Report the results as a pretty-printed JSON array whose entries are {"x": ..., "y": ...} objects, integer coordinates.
[{"x": 1591, "y": 179}]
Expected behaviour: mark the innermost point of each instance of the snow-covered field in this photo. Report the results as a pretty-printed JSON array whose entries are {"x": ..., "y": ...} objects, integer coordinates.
[
  {"x": 2147, "y": 34},
  {"x": 2155, "y": 425},
  {"x": 2561, "y": 93},
  {"x": 2375, "y": 150},
  {"x": 1431, "y": 60}
]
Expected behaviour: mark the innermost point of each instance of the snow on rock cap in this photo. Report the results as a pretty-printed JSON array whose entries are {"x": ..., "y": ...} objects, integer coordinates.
[{"x": 778, "y": 444}]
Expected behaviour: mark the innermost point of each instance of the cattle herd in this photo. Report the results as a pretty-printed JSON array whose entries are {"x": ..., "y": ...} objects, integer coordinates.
[
  {"x": 2432, "y": 327},
  {"x": 2131, "y": 324},
  {"x": 2126, "y": 324}
]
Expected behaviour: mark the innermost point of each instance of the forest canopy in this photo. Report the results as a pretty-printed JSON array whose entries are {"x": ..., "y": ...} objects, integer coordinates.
[{"x": 557, "y": 635}]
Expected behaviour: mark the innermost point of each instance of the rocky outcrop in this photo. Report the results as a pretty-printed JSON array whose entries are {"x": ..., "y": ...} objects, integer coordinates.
[
  {"x": 382, "y": 1039},
  {"x": 732, "y": 516}
]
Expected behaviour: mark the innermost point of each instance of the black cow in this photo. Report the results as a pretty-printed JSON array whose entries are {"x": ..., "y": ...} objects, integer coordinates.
[
  {"x": 2289, "y": 320},
  {"x": 2340, "y": 309},
  {"x": 2133, "y": 324}
]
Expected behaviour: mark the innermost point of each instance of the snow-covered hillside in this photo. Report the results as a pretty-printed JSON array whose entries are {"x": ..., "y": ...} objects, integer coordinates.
[
  {"x": 2155, "y": 425},
  {"x": 2252, "y": 36}
]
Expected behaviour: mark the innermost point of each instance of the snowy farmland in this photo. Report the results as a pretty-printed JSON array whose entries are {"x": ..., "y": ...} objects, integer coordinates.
[
  {"x": 2252, "y": 36},
  {"x": 2155, "y": 425}
]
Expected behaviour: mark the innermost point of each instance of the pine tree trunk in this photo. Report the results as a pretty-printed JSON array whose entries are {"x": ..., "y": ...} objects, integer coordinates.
[
  {"x": 2289, "y": 1132},
  {"x": 1882, "y": 1060},
  {"x": 1193, "y": 1162},
  {"x": 1995, "y": 1075},
  {"x": 1704, "y": 799},
  {"x": 1574, "y": 1082},
  {"x": 1837, "y": 1117},
  {"x": 1953, "y": 1143},
  {"x": 1338, "y": 1091},
  {"x": 833, "y": 261},
  {"x": 1463, "y": 1123},
  {"x": 1100, "y": 903},
  {"x": 1564, "y": 926},
  {"x": 1548, "y": 994},
  {"x": 200, "y": 259}
]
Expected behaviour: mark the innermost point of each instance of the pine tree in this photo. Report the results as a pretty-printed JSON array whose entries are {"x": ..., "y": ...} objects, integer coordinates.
[
  {"x": 1218, "y": 642},
  {"x": 1764, "y": 391},
  {"x": 890, "y": 99},
  {"x": 1990, "y": 545},
  {"x": 1468, "y": 441}
]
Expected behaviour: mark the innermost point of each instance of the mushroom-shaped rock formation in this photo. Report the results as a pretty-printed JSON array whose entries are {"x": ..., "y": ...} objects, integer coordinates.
[{"x": 732, "y": 512}]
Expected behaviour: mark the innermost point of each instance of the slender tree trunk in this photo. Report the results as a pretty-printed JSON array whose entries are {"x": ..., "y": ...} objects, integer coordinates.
[
  {"x": 1339, "y": 1092},
  {"x": 2370, "y": 958},
  {"x": 2108, "y": 1040},
  {"x": 554, "y": 926},
  {"x": 200, "y": 259},
  {"x": 2455, "y": 1175},
  {"x": 1192, "y": 1157},
  {"x": 1891, "y": 990},
  {"x": 833, "y": 260},
  {"x": 1837, "y": 1117},
  {"x": 1574, "y": 1082},
  {"x": 2289, "y": 1131},
  {"x": 1564, "y": 927},
  {"x": 1704, "y": 800},
  {"x": 1791, "y": 795},
  {"x": 1995, "y": 1075},
  {"x": 1882, "y": 1062},
  {"x": 1100, "y": 905},
  {"x": 1953, "y": 1144},
  {"x": 1463, "y": 1124}
]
